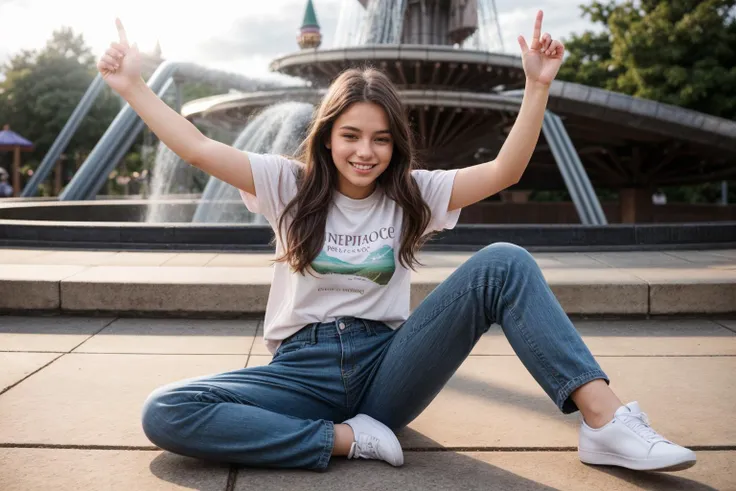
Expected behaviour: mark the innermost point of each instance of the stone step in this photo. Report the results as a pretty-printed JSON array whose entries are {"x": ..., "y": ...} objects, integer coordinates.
[{"x": 192, "y": 284}]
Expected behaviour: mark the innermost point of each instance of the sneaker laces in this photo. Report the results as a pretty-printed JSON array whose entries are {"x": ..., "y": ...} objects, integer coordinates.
[
  {"x": 639, "y": 423},
  {"x": 366, "y": 446}
]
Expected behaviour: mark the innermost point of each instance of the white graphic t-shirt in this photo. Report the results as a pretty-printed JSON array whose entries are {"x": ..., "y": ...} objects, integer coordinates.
[{"x": 358, "y": 272}]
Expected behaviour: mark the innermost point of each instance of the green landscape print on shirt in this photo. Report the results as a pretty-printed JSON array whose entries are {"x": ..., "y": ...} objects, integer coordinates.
[{"x": 378, "y": 267}]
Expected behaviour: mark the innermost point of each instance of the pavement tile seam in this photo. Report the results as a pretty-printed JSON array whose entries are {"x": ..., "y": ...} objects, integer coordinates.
[
  {"x": 232, "y": 477},
  {"x": 112, "y": 321},
  {"x": 210, "y": 260},
  {"x": 249, "y": 355},
  {"x": 253, "y": 341},
  {"x": 6, "y": 389},
  {"x": 32, "y": 351},
  {"x": 135, "y": 353},
  {"x": 61, "y": 354},
  {"x": 681, "y": 255},
  {"x": 674, "y": 255},
  {"x": 169, "y": 259},
  {"x": 72, "y": 275},
  {"x": 603, "y": 263},
  {"x": 724, "y": 326},
  {"x": 61, "y": 446},
  {"x": 694, "y": 448},
  {"x": 600, "y": 260},
  {"x": 135, "y": 448},
  {"x": 722, "y": 252},
  {"x": 500, "y": 355}
]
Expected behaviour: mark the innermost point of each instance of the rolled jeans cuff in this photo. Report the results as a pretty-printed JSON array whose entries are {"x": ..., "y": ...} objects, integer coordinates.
[{"x": 564, "y": 402}]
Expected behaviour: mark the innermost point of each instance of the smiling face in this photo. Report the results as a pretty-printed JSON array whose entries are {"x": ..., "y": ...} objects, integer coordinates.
[{"x": 361, "y": 146}]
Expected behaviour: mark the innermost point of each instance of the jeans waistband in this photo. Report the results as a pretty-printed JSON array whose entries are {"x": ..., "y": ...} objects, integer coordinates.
[{"x": 332, "y": 330}]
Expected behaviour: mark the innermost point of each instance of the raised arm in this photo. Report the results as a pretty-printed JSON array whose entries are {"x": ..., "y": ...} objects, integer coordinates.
[
  {"x": 120, "y": 67},
  {"x": 541, "y": 62}
]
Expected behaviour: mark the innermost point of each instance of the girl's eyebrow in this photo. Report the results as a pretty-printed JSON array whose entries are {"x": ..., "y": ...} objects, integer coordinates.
[{"x": 353, "y": 128}]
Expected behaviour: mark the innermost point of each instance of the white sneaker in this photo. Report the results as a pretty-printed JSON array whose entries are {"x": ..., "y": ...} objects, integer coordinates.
[
  {"x": 374, "y": 440},
  {"x": 628, "y": 441}
]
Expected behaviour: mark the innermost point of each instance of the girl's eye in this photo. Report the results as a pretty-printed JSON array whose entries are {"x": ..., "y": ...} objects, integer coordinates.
[
  {"x": 384, "y": 140},
  {"x": 349, "y": 136}
]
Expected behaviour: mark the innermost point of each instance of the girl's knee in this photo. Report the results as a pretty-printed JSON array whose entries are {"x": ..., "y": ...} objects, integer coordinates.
[
  {"x": 149, "y": 415},
  {"x": 505, "y": 251},
  {"x": 154, "y": 418}
]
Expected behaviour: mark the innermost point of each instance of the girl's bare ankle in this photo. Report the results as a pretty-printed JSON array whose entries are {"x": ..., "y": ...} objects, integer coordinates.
[{"x": 344, "y": 439}]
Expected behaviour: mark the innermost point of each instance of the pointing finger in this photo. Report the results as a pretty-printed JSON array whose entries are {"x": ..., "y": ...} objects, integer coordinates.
[
  {"x": 537, "y": 31},
  {"x": 121, "y": 32}
]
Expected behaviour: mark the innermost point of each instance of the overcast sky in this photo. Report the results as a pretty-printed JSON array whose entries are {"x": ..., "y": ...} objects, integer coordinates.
[{"x": 235, "y": 35}]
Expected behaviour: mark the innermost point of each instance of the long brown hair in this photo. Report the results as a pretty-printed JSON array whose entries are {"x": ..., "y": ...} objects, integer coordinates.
[{"x": 318, "y": 178}]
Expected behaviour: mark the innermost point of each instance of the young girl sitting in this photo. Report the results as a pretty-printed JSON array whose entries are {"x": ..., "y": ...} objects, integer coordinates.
[{"x": 351, "y": 365}]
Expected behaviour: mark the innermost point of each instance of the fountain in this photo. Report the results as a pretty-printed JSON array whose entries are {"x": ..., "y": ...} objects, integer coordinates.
[
  {"x": 278, "y": 129},
  {"x": 461, "y": 96}
]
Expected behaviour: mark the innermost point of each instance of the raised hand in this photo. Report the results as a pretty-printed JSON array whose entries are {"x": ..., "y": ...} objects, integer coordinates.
[
  {"x": 543, "y": 58},
  {"x": 120, "y": 66}
]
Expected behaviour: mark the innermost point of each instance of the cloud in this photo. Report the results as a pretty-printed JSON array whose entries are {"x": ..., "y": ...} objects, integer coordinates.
[
  {"x": 251, "y": 42},
  {"x": 241, "y": 35},
  {"x": 267, "y": 34},
  {"x": 562, "y": 18},
  {"x": 235, "y": 35}
]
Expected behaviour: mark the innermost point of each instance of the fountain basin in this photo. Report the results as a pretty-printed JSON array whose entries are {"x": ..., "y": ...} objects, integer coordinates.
[
  {"x": 417, "y": 66},
  {"x": 118, "y": 224}
]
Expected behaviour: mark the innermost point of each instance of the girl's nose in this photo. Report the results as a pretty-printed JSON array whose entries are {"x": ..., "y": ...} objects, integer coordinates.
[{"x": 364, "y": 150}]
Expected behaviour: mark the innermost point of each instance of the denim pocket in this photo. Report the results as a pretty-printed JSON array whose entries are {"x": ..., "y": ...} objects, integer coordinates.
[
  {"x": 295, "y": 342},
  {"x": 382, "y": 328},
  {"x": 375, "y": 328},
  {"x": 290, "y": 346}
]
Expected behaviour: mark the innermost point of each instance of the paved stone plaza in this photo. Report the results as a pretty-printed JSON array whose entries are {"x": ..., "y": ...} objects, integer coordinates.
[{"x": 85, "y": 337}]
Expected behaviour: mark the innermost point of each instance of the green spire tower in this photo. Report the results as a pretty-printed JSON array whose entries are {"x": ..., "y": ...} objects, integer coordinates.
[{"x": 309, "y": 34}]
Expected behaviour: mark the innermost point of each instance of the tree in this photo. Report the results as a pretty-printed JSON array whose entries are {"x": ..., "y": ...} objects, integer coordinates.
[
  {"x": 681, "y": 52},
  {"x": 41, "y": 89}
]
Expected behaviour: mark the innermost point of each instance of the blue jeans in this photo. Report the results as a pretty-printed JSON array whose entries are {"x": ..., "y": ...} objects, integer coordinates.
[{"x": 283, "y": 414}]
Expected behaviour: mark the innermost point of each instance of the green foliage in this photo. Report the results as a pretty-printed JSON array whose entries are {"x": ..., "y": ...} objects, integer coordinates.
[
  {"x": 680, "y": 52},
  {"x": 42, "y": 88}
]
